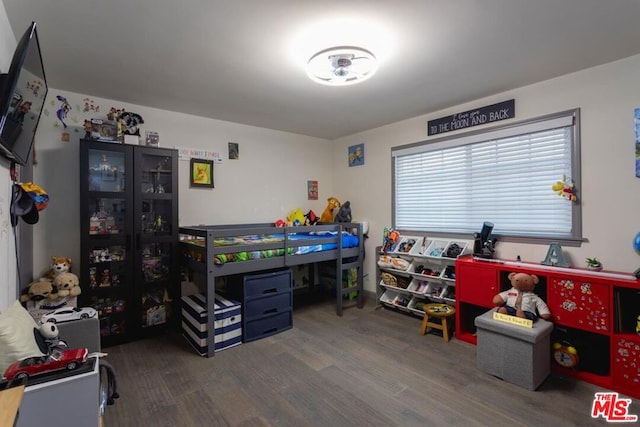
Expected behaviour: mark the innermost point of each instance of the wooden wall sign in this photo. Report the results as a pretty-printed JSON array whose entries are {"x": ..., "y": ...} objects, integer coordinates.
[{"x": 479, "y": 116}]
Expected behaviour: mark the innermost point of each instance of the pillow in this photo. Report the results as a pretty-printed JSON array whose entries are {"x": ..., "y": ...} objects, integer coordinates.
[{"x": 17, "y": 339}]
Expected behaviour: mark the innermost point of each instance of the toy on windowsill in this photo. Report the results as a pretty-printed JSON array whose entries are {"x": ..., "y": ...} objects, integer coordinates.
[
  {"x": 565, "y": 188},
  {"x": 520, "y": 300},
  {"x": 327, "y": 214}
]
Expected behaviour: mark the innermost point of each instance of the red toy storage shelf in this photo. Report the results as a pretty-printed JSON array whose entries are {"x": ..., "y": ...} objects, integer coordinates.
[{"x": 597, "y": 310}]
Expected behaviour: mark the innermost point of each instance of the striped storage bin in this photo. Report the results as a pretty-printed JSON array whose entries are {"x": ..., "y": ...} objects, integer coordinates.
[{"x": 227, "y": 322}]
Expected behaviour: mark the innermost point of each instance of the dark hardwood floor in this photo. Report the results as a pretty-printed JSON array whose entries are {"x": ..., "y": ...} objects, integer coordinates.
[{"x": 367, "y": 368}]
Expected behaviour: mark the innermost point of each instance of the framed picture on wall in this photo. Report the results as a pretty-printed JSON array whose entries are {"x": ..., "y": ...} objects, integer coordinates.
[
  {"x": 356, "y": 155},
  {"x": 201, "y": 173},
  {"x": 312, "y": 190}
]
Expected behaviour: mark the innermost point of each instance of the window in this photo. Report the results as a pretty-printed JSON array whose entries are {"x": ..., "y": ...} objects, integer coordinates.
[{"x": 503, "y": 175}]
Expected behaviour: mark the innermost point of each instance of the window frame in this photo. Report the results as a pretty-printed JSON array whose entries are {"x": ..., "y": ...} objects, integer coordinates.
[{"x": 476, "y": 136}]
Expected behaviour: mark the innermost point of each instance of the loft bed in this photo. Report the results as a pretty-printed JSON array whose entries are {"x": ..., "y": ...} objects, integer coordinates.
[{"x": 225, "y": 250}]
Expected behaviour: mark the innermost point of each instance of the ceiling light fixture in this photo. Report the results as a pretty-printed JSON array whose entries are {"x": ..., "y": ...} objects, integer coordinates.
[{"x": 342, "y": 66}]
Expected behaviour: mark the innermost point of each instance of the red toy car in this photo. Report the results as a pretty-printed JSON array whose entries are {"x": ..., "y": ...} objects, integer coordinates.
[{"x": 57, "y": 360}]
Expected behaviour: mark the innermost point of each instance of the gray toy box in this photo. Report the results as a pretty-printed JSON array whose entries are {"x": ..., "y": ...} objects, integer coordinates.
[{"x": 517, "y": 354}]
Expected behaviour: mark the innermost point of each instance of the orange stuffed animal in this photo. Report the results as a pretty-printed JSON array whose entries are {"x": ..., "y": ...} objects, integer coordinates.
[{"x": 327, "y": 215}]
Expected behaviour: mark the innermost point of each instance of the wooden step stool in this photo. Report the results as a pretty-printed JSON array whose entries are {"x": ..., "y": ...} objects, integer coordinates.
[{"x": 439, "y": 311}]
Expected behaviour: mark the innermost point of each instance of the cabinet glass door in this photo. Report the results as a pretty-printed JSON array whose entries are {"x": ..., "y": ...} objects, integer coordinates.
[
  {"x": 106, "y": 227},
  {"x": 156, "y": 211}
]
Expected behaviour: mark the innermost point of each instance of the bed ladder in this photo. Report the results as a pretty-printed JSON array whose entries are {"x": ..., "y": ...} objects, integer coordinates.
[{"x": 343, "y": 266}]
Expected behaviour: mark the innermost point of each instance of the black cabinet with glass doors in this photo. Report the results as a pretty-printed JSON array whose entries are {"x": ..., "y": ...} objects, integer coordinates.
[{"x": 129, "y": 264}]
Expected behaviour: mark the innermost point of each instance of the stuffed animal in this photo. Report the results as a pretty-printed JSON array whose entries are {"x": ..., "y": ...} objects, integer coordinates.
[
  {"x": 310, "y": 218},
  {"x": 67, "y": 284},
  {"x": 344, "y": 213},
  {"x": 327, "y": 215},
  {"x": 565, "y": 189},
  {"x": 50, "y": 333},
  {"x": 58, "y": 265},
  {"x": 520, "y": 300},
  {"x": 296, "y": 218},
  {"x": 39, "y": 290}
]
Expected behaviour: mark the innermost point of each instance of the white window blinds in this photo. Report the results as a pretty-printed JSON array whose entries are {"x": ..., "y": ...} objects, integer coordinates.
[{"x": 503, "y": 176}]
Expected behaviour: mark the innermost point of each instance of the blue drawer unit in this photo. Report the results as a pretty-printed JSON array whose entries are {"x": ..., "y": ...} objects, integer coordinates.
[{"x": 267, "y": 304}]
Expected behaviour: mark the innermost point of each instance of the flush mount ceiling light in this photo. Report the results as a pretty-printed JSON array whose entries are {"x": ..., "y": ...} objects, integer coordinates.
[{"x": 342, "y": 66}]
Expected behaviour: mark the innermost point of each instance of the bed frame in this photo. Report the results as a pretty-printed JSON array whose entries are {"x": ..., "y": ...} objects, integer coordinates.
[{"x": 203, "y": 261}]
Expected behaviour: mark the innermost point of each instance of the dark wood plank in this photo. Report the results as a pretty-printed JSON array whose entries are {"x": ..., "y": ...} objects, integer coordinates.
[{"x": 368, "y": 367}]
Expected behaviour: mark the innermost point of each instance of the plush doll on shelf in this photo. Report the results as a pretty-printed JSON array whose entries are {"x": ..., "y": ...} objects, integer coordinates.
[
  {"x": 67, "y": 285},
  {"x": 39, "y": 290},
  {"x": 327, "y": 214},
  {"x": 58, "y": 266},
  {"x": 520, "y": 300}
]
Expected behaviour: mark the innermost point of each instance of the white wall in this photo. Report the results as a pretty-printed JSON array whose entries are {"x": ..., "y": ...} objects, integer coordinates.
[
  {"x": 267, "y": 182},
  {"x": 7, "y": 249},
  {"x": 606, "y": 95}
]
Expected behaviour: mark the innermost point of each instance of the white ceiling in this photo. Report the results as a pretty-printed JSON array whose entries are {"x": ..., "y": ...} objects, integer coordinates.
[{"x": 242, "y": 61}]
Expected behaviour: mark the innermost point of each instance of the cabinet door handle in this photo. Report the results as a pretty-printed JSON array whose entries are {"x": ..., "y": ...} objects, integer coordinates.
[{"x": 138, "y": 244}]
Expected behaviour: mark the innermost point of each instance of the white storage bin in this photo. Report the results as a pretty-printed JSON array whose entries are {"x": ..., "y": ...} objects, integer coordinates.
[
  {"x": 418, "y": 311},
  {"x": 418, "y": 286},
  {"x": 455, "y": 249},
  {"x": 388, "y": 296},
  {"x": 406, "y": 244},
  {"x": 434, "y": 291},
  {"x": 449, "y": 294},
  {"x": 420, "y": 248},
  {"x": 436, "y": 248}
]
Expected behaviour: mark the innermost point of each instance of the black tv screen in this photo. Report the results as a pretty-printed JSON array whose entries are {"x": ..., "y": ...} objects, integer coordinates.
[{"x": 23, "y": 90}]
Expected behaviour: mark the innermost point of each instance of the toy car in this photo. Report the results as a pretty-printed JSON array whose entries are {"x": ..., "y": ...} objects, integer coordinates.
[
  {"x": 57, "y": 360},
  {"x": 69, "y": 313}
]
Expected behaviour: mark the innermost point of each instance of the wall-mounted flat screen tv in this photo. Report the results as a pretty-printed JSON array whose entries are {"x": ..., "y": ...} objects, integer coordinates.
[{"x": 23, "y": 90}]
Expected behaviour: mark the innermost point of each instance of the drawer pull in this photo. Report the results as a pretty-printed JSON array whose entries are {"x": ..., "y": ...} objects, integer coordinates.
[
  {"x": 271, "y": 310},
  {"x": 268, "y": 331},
  {"x": 270, "y": 291}
]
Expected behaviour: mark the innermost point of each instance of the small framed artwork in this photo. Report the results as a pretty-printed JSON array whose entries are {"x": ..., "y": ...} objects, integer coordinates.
[
  {"x": 636, "y": 120},
  {"x": 234, "y": 151},
  {"x": 312, "y": 190},
  {"x": 201, "y": 173},
  {"x": 356, "y": 155}
]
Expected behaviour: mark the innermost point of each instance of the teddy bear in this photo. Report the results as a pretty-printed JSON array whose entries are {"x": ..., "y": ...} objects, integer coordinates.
[
  {"x": 67, "y": 284},
  {"x": 38, "y": 291},
  {"x": 327, "y": 215},
  {"x": 520, "y": 300},
  {"x": 58, "y": 266}
]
